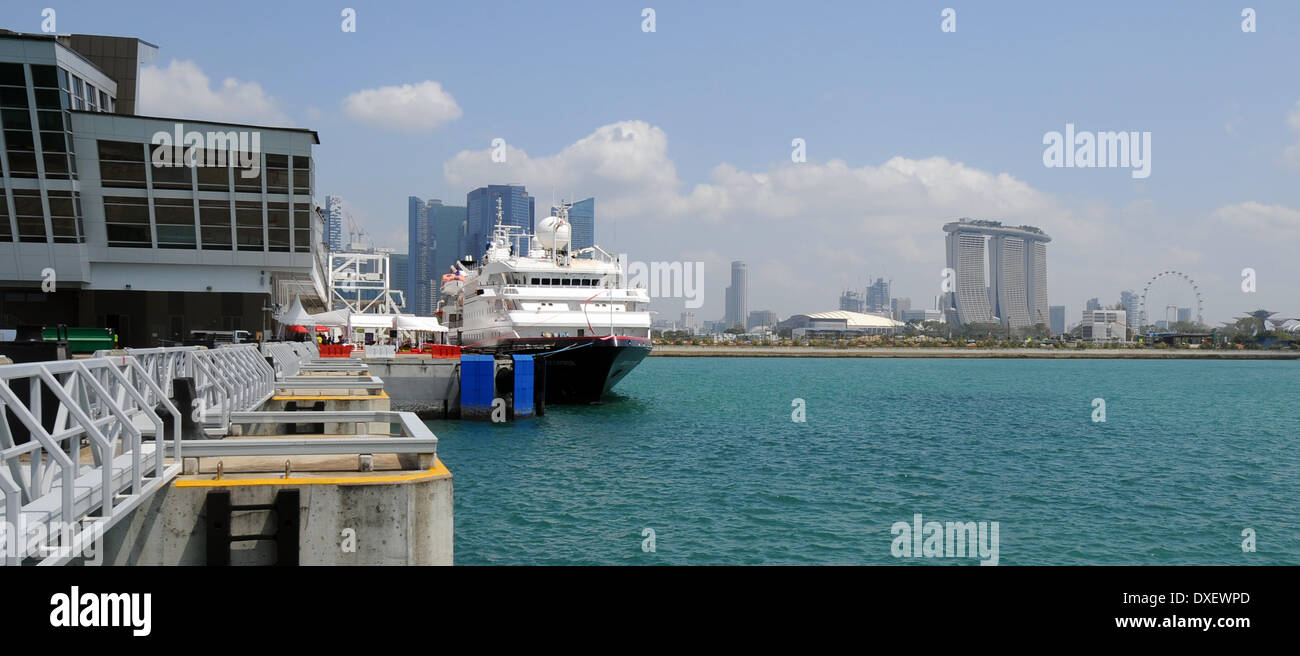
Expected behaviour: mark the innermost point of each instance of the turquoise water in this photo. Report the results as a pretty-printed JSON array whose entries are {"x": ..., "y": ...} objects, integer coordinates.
[{"x": 704, "y": 452}]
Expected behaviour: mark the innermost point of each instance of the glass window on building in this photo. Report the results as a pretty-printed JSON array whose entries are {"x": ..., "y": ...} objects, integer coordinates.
[
  {"x": 214, "y": 177},
  {"x": 302, "y": 175},
  {"x": 127, "y": 221},
  {"x": 31, "y": 216},
  {"x": 277, "y": 174},
  {"x": 6, "y": 232},
  {"x": 277, "y": 222},
  {"x": 63, "y": 217},
  {"x": 121, "y": 164},
  {"x": 243, "y": 184},
  {"x": 174, "y": 222},
  {"x": 301, "y": 229},
  {"x": 77, "y": 91},
  {"x": 65, "y": 86},
  {"x": 174, "y": 177},
  {"x": 103, "y": 101},
  {"x": 12, "y": 75},
  {"x": 248, "y": 225},
  {"x": 92, "y": 97},
  {"x": 19, "y": 140},
  {"x": 45, "y": 76},
  {"x": 214, "y": 224}
]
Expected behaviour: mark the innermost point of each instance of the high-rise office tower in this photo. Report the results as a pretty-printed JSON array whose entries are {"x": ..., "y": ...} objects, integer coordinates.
[
  {"x": 1011, "y": 286},
  {"x": 435, "y": 234},
  {"x": 851, "y": 301},
  {"x": 738, "y": 296},
  {"x": 878, "y": 297},
  {"x": 517, "y": 209},
  {"x": 399, "y": 276},
  {"x": 1093, "y": 304},
  {"x": 582, "y": 218},
  {"x": 1132, "y": 303},
  {"x": 334, "y": 224}
]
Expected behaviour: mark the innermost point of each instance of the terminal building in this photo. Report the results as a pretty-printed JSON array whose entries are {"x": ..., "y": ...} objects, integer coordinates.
[
  {"x": 104, "y": 222},
  {"x": 838, "y": 325}
]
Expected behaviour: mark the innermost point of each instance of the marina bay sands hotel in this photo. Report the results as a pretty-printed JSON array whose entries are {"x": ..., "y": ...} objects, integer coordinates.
[{"x": 1010, "y": 286}]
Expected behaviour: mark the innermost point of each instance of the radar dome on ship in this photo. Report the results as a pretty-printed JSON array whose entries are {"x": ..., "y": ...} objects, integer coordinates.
[{"x": 554, "y": 233}]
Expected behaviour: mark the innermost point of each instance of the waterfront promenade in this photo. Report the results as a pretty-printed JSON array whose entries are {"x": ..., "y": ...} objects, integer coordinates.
[{"x": 965, "y": 352}]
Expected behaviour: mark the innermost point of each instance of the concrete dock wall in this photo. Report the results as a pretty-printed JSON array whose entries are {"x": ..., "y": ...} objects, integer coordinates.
[{"x": 386, "y": 522}]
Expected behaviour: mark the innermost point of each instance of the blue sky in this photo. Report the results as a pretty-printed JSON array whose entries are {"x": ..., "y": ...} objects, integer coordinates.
[{"x": 962, "y": 115}]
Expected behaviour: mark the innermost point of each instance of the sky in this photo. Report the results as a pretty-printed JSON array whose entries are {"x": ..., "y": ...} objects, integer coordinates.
[{"x": 684, "y": 133}]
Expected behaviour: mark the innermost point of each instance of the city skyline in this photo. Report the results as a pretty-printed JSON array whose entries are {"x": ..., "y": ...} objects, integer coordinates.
[{"x": 1221, "y": 196}]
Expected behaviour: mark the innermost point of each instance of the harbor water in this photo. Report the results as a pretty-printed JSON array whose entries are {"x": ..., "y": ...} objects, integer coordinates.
[{"x": 1192, "y": 459}]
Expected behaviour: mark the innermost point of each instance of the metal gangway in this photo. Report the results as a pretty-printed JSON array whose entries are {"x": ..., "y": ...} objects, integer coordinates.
[{"x": 84, "y": 442}]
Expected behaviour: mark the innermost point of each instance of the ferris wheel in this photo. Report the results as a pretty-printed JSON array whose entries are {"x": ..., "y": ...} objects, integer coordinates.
[{"x": 1189, "y": 290}]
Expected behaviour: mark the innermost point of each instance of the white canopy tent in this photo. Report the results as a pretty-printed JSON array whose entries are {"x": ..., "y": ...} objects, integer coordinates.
[
  {"x": 412, "y": 322},
  {"x": 296, "y": 315}
]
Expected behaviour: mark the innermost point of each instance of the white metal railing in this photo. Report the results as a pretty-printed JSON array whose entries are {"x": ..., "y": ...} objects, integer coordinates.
[
  {"x": 227, "y": 379},
  {"x": 85, "y": 462}
]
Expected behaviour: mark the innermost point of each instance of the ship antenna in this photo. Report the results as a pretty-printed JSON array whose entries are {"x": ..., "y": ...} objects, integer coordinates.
[{"x": 498, "y": 210}]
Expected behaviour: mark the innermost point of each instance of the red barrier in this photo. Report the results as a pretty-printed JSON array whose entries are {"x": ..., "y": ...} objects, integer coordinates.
[
  {"x": 336, "y": 350},
  {"x": 442, "y": 351}
]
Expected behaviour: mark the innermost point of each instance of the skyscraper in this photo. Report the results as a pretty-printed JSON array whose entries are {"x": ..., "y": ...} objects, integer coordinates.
[
  {"x": 1132, "y": 303},
  {"x": 878, "y": 297},
  {"x": 420, "y": 241},
  {"x": 851, "y": 301},
  {"x": 737, "y": 296},
  {"x": 582, "y": 217},
  {"x": 1093, "y": 304},
  {"x": 1014, "y": 291},
  {"x": 435, "y": 234},
  {"x": 399, "y": 276},
  {"x": 334, "y": 223},
  {"x": 517, "y": 209}
]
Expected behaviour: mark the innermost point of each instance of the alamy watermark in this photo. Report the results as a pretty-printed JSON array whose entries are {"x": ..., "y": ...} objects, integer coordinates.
[
  {"x": 43, "y": 540},
  {"x": 951, "y": 540},
  {"x": 180, "y": 148},
  {"x": 683, "y": 280},
  {"x": 1083, "y": 149}
]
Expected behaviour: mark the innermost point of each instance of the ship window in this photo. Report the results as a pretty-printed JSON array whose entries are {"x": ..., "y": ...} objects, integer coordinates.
[
  {"x": 546, "y": 281},
  {"x": 555, "y": 281},
  {"x": 535, "y": 281}
]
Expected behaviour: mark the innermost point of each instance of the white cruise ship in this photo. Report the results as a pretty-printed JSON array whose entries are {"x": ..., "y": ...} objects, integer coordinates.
[{"x": 531, "y": 294}]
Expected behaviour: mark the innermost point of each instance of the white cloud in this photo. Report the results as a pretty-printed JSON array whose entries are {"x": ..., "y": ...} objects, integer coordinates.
[
  {"x": 809, "y": 230},
  {"x": 1292, "y": 152},
  {"x": 183, "y": 90},
  {"x": 418, "y": 107},
  {"x": 1270, "y": 222}
]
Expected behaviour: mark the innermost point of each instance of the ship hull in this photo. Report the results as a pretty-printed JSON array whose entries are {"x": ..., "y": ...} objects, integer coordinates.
[{"x": 581, "y": 369}]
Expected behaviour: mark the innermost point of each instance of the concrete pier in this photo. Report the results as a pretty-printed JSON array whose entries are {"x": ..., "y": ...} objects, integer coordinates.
[{"x": 241, "y": 455}]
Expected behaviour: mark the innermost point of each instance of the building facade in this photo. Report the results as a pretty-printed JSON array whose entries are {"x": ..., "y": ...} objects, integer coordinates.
[
  {"x": 1010, "y": 285},
  {"x": 1104, "y": 326},
  {"x": 105, "y": 222},
  {"x": 399, "y": 268},
  {"x": 582, "y": 219},
  {"x": 517, "y": 209},
  {"x": 1057, "y": 313},
  {"x": 877, "y": 301},
  {"x": 760, "y": 319}
]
